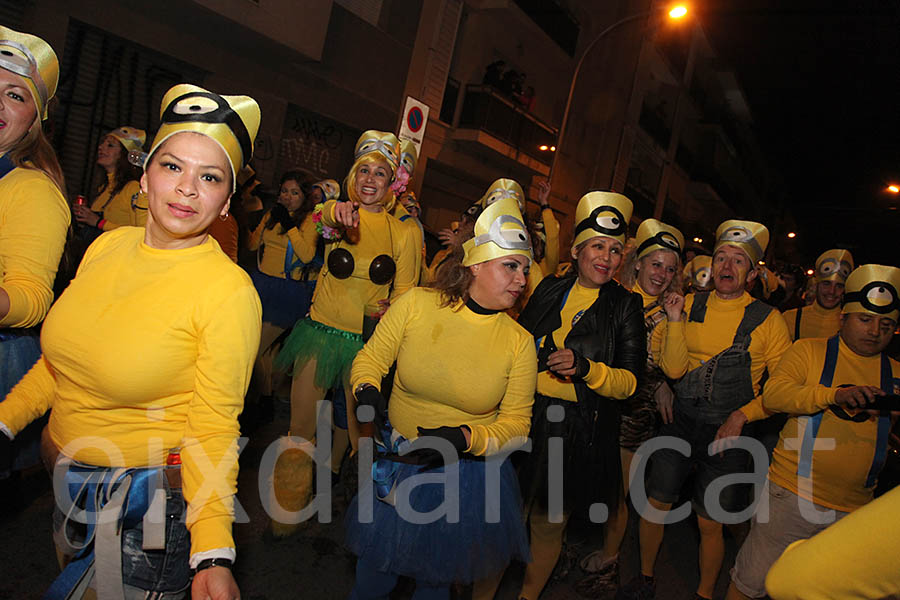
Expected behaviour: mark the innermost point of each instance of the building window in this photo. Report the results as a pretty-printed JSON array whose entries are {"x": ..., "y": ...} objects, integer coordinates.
[{"x": 448, "y": 104}]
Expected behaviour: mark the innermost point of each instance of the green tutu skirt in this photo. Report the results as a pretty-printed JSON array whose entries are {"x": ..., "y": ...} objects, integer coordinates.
[{"x": 333, "y": 349}]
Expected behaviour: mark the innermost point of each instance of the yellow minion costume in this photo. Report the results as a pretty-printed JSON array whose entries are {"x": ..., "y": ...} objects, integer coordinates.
[
  {"x": 470, "y": 344},
  {"x": 130, "y": 394},
  {"x": 117, "y": 202},
  {"x": 816, "y": 320},
  {"x": 828, "y": 458},
  {"x": 34, "y": 219},
  {"x": 366, "y": 265}
]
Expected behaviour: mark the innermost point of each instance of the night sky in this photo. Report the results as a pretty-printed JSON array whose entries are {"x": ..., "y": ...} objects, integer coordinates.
[{"x": 823, "y": 82}]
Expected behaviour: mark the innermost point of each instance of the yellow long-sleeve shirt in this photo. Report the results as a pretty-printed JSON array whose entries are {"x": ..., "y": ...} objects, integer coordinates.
[
  {"x": 454, "y": 367},
  {"x": 815, "y": 322},
  {"x": 118, "y": 210},
  {"x": 836, "y": 477},
  {"x": 303, "y": 241},
  {"x": 34, "y": 218},
  {"x": 685, "y": 346},
  {"x": 149, "y": 350},
  {"x": 605, "y": 380},
  {"x": 550, "y": 262},
  {"x": 654, "y": 336},
  {"x": 340, "y": 303},
  {"x": 854, "y": 559}
]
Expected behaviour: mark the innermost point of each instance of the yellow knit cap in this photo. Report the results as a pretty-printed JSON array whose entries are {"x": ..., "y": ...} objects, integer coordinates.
[
  {"x": 873, "y": 289},
  {"x": 231, "y": 121},
  {"x": 749, "y": 236},
  {"x": 33, "y": 59},
  {"x": 834, "y": 265},
  {"x": 655, "y": 235},
  {"x": 499, "y": 231},
  {"x": 602, "y": 214}
]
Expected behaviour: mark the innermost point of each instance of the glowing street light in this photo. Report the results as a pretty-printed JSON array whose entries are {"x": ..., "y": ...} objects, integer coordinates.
[
  {"x": 894, "y": 189},
  {"x": 698, "y": 240},
  {"x": 810, "y": 272},
  {"x": 792, "y": 235},
  {"x": 678, "y": 11},
  {"x": 543, "y": 147}
]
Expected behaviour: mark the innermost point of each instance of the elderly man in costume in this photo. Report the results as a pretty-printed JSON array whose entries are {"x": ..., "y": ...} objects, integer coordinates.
[
  {"x": 829, "y": 456},
  {"x": 718, "y": 351},
  {"x": 822, "y": 319}
]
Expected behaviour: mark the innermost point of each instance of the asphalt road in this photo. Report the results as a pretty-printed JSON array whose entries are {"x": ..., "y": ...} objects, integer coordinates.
[{"x": 314, "y": 563}]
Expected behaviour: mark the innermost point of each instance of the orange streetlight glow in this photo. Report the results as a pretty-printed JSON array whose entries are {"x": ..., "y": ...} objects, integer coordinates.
[
  {"x": 698, "y": 240},
  {"x": 894, "y": 189},
  {"x": 543, "y": 147},
  {"x": 678, "y": 11},
  {"x": 810, "y": 272},
  {"x": 552, "y": 148},
  {"x": 792, "y": 235}
]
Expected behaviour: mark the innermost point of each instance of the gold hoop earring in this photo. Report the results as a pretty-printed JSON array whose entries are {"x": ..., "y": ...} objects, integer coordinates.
[{"x": 224, "y": 217}]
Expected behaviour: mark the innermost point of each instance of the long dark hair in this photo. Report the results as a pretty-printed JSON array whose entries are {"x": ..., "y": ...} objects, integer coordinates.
[
  {"x": 123, "y": 173},
  {"x": 305, "y": 182}
]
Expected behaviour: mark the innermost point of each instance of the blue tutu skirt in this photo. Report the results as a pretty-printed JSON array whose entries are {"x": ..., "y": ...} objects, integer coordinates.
[
  {"x": 442, "y": 553},
  {"x": 18, "y": 353},
  {"x": 284, "y": 301}
]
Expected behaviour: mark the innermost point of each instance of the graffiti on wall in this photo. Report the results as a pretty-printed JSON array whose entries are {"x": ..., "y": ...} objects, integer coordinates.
[{"x": 315, "y": 144}]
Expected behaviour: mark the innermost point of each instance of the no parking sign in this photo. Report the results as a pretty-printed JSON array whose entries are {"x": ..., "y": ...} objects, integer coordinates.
[{"x": 412, "y": 126}]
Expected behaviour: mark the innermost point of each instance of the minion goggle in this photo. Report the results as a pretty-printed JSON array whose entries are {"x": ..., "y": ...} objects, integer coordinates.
[
  {"x": 382, "y": 147},
  {"x": 664, "y": 239},
  {"x": 499, "y": 194},
  {"x": 408, "y": 162},
  {"x": 743, "y": 238},
  {"x": 506, "y": 235},
  {"x": 833, "y": 269},
  {"x": 330, "y": 189},
  {"x": 511, "y": 237},
  {"x": 606, "y": 220},
  {"x": 877, "y": 297},
  {"x": 25, "y": 65}
]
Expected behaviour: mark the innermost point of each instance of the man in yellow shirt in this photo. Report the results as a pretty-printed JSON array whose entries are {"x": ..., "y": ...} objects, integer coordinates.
[
  {"x": 827, "y": 461},
  {"x": 718, "y": 355},
  {"x": 822, "y": 318}
]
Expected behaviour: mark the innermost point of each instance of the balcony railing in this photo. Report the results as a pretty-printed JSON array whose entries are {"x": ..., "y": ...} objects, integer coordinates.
[{"x": 485, "y": 109}]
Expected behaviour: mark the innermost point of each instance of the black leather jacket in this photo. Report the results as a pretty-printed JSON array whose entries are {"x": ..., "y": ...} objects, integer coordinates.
[{"x": 611, "y": 331}]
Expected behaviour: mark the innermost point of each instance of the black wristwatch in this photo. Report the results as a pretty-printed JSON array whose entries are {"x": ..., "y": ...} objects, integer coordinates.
[{"x": 214, "y": 562}]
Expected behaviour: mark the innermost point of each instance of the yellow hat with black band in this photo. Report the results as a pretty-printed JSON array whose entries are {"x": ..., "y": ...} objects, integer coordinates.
[
  {"x": 834, "y": 265},
  {"x": 230, "y": 121},
  {"x": 873, "y": 289},
  {"x": 749, "y": 236},
  {"x": 655, "y": 235},
  {"x": 131, "y": 138},
  {"x": 33, "y": 59},
  {"x": 503, "y": 188},
  {"x": 499, "y": 231},
  {"x": 383, "y": 143},
  {"x": 602, "y": 214}
]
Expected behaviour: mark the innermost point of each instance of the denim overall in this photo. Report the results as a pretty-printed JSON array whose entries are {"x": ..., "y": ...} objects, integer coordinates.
[{"x": 723, "y": 384}]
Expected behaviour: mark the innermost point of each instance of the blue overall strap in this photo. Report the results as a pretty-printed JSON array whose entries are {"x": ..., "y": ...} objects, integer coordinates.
[
  {"x": 698, "y": 307},
  {"x": 405, "y": 217},
  {"x": 290, "y": 265},
  {"x": 804, "y": 460},
  {"x": 884, "y": 424},
  {"x": 562, "y": 305},
  {"x": 6, "y": 165},
  {"x": 91, "y": 489}
]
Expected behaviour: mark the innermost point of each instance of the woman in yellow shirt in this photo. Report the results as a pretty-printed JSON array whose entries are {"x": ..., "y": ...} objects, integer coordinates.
[
  {"x": 589, "y": 331},
  {"x": 115, "y": 204},
  {"x": 34, "y": 217},
  {"x": 652, "y": 268},
  {"x": 131, "y": 396},
  {"x": 464, "y": 383}
]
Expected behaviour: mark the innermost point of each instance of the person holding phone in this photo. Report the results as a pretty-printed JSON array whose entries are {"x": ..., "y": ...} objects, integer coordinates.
[{"x": 832, "y": 447}]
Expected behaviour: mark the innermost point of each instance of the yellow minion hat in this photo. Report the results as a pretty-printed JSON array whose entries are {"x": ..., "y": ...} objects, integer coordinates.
[
  {"x": 499, "y": 231},
  {"x": 699, "y": 271},
  {"x": 231, "y": 121},
  {"x": 409, "y": 198},
  {"x": 834, "y": 265},
  {"x": 384, "y": 143},
  {"x": 331, "y": 190},
  {"x": 602, "y": 214},
  {"x": 409, "y": 157},
  {"x": 873, "y": 289},
  {"x": 749, "y": 236},
  {"x": 131, "y": 137},
  {"x": 655, "y": 235},
  {"x": 503, "y": 188},
  {"x": 33, "y": 59},
  {"x": 768, "y": 279}
]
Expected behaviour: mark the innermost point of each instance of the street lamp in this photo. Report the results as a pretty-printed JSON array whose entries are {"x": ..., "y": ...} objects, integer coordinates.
[
  {"x": 792, "y": 235},
  {"x": 894, "y": 189},
  {"x": 677, "y": 12}
]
